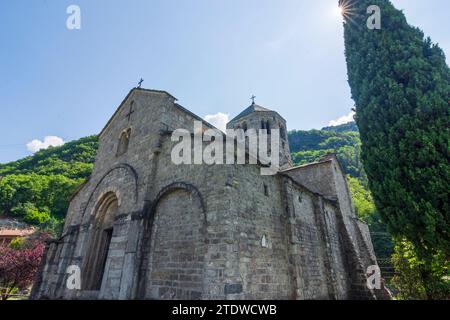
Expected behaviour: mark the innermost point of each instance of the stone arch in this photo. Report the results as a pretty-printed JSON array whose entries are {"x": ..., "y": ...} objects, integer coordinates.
[
  {"x": 108, "y": 182},
  {"x": 178, "y": 186},
  {"x": 175, "y": 241},
  {"x": 106, "y": 210}
]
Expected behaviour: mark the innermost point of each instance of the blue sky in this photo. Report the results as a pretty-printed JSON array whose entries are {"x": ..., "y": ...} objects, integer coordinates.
[{"x": 211, "y": 54}]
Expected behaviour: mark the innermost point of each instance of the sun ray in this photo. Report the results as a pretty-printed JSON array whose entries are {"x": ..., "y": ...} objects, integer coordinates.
[{"x": 346, "y": 9}]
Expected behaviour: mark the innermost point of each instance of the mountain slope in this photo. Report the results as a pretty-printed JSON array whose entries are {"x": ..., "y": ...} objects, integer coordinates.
[
  {"x": 36, "y": 189},
  {"x": 310, "y": 146},
  {"x": 73, "y": 160}
]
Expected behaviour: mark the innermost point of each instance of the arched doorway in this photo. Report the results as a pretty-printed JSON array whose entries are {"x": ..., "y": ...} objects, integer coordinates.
[
  {"x": 177, "y": 247},
  {"x": 100, "y": 240}
]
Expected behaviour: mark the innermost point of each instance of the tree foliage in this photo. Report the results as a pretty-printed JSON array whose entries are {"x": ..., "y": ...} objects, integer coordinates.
[
  {"x": 419, "y": 279},
  {"x": 19, "y": 264},
  {"x": 37, "y": 189},
  {"x": 400, "y": 83},
  {"x": 362, "y": 199}
]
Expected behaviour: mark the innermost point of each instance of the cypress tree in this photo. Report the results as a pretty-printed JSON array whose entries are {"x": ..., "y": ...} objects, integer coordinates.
[{"x": 400, "y": 83}]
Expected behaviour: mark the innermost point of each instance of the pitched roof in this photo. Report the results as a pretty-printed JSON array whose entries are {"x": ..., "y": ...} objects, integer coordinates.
[
  {"x": 253, "y": 108},
  {"x": 126, "y": 98},
  {"x": 14, "y": 228},
  {"x": 326, "y": 158},
  {"x": 15, "y": 232}
]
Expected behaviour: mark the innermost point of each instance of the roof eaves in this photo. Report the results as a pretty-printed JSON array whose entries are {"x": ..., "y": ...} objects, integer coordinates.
[{"x": 126, "y": 98}]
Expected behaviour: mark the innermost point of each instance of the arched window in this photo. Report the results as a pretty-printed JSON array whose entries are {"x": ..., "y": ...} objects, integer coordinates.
[
  {"x": 98, "y": 247},
  {"x": 268, "y": 126},
  {"x": 263, "y": 124},
  {"x": 244, "y": 126},
  {"x": 124, "y": 140}
]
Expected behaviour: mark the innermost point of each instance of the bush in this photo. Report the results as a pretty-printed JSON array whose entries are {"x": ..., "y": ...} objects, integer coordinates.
[{"x": 418, "y": 279}]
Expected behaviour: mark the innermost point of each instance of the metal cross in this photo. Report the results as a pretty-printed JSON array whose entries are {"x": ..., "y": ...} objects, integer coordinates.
[
  {"x": 253, "y": 99},
  {"x": 128, "y": 115},
  {"x": 140, "y": 82}
]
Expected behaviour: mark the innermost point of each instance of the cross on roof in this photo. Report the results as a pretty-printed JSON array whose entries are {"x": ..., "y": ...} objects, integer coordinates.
[
  {"x": 128, "y": 115},
  {"x": 253, "y": 99},
  {"x": 140, "y": 82}
]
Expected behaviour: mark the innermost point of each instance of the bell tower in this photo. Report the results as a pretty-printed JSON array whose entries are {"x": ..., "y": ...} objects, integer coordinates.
[{"x": 258, "y": 117}]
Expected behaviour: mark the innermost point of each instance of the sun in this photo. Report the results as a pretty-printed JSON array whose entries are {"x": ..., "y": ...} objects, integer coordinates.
[
  {"x": 340, "y": 10},
  {"x": 345, "y": 9}
]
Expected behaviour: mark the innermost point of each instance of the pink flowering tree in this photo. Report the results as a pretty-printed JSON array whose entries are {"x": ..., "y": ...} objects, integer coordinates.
[{"x": 18, "y": 266}]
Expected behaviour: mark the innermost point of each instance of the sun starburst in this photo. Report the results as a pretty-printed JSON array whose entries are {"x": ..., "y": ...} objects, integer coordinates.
[
  {"x": 340, "y": 11},
  {"x": 346, "y": 9}
]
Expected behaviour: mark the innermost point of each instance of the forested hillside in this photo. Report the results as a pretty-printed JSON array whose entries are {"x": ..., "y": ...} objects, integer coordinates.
[
  {"x": 309, "y": 146},
  {"x": 36, "y": 189}
]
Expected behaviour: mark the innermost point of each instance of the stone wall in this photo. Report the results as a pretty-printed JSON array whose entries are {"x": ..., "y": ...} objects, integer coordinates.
[
  {"x": 326, "y": 178},
  {"x": 338, "y": 254},
  {"x": 176, "y": 264},
  {"x": 308, "y": 249},
  {"x": 317, "y": 252},
  {"x": 257, "y": 221}
]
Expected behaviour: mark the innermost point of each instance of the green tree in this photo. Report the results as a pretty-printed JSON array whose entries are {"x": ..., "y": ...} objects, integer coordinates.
[
  {"x": 362, "y": 199},
  {"x": 366, "y": 210},
  {"x": 400, "y": 83},
  {"x": 410, "y": 279},
  {"x": 19, "y": 189},
  {"x": 44, "y": 193}
]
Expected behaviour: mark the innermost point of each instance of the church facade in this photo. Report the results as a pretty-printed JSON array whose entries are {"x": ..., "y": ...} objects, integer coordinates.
[{"x": 142, "y": 227}]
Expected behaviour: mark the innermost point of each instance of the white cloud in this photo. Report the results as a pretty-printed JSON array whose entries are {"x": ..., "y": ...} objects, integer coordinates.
[
  {"x": 341, "y": 120},
  {"x": 219, "y": 120},
  {"x": 36, "y": 145}
]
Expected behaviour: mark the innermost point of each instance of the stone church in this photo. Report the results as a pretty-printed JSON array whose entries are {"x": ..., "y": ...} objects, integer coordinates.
[{"x": 142, "y": 227}]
